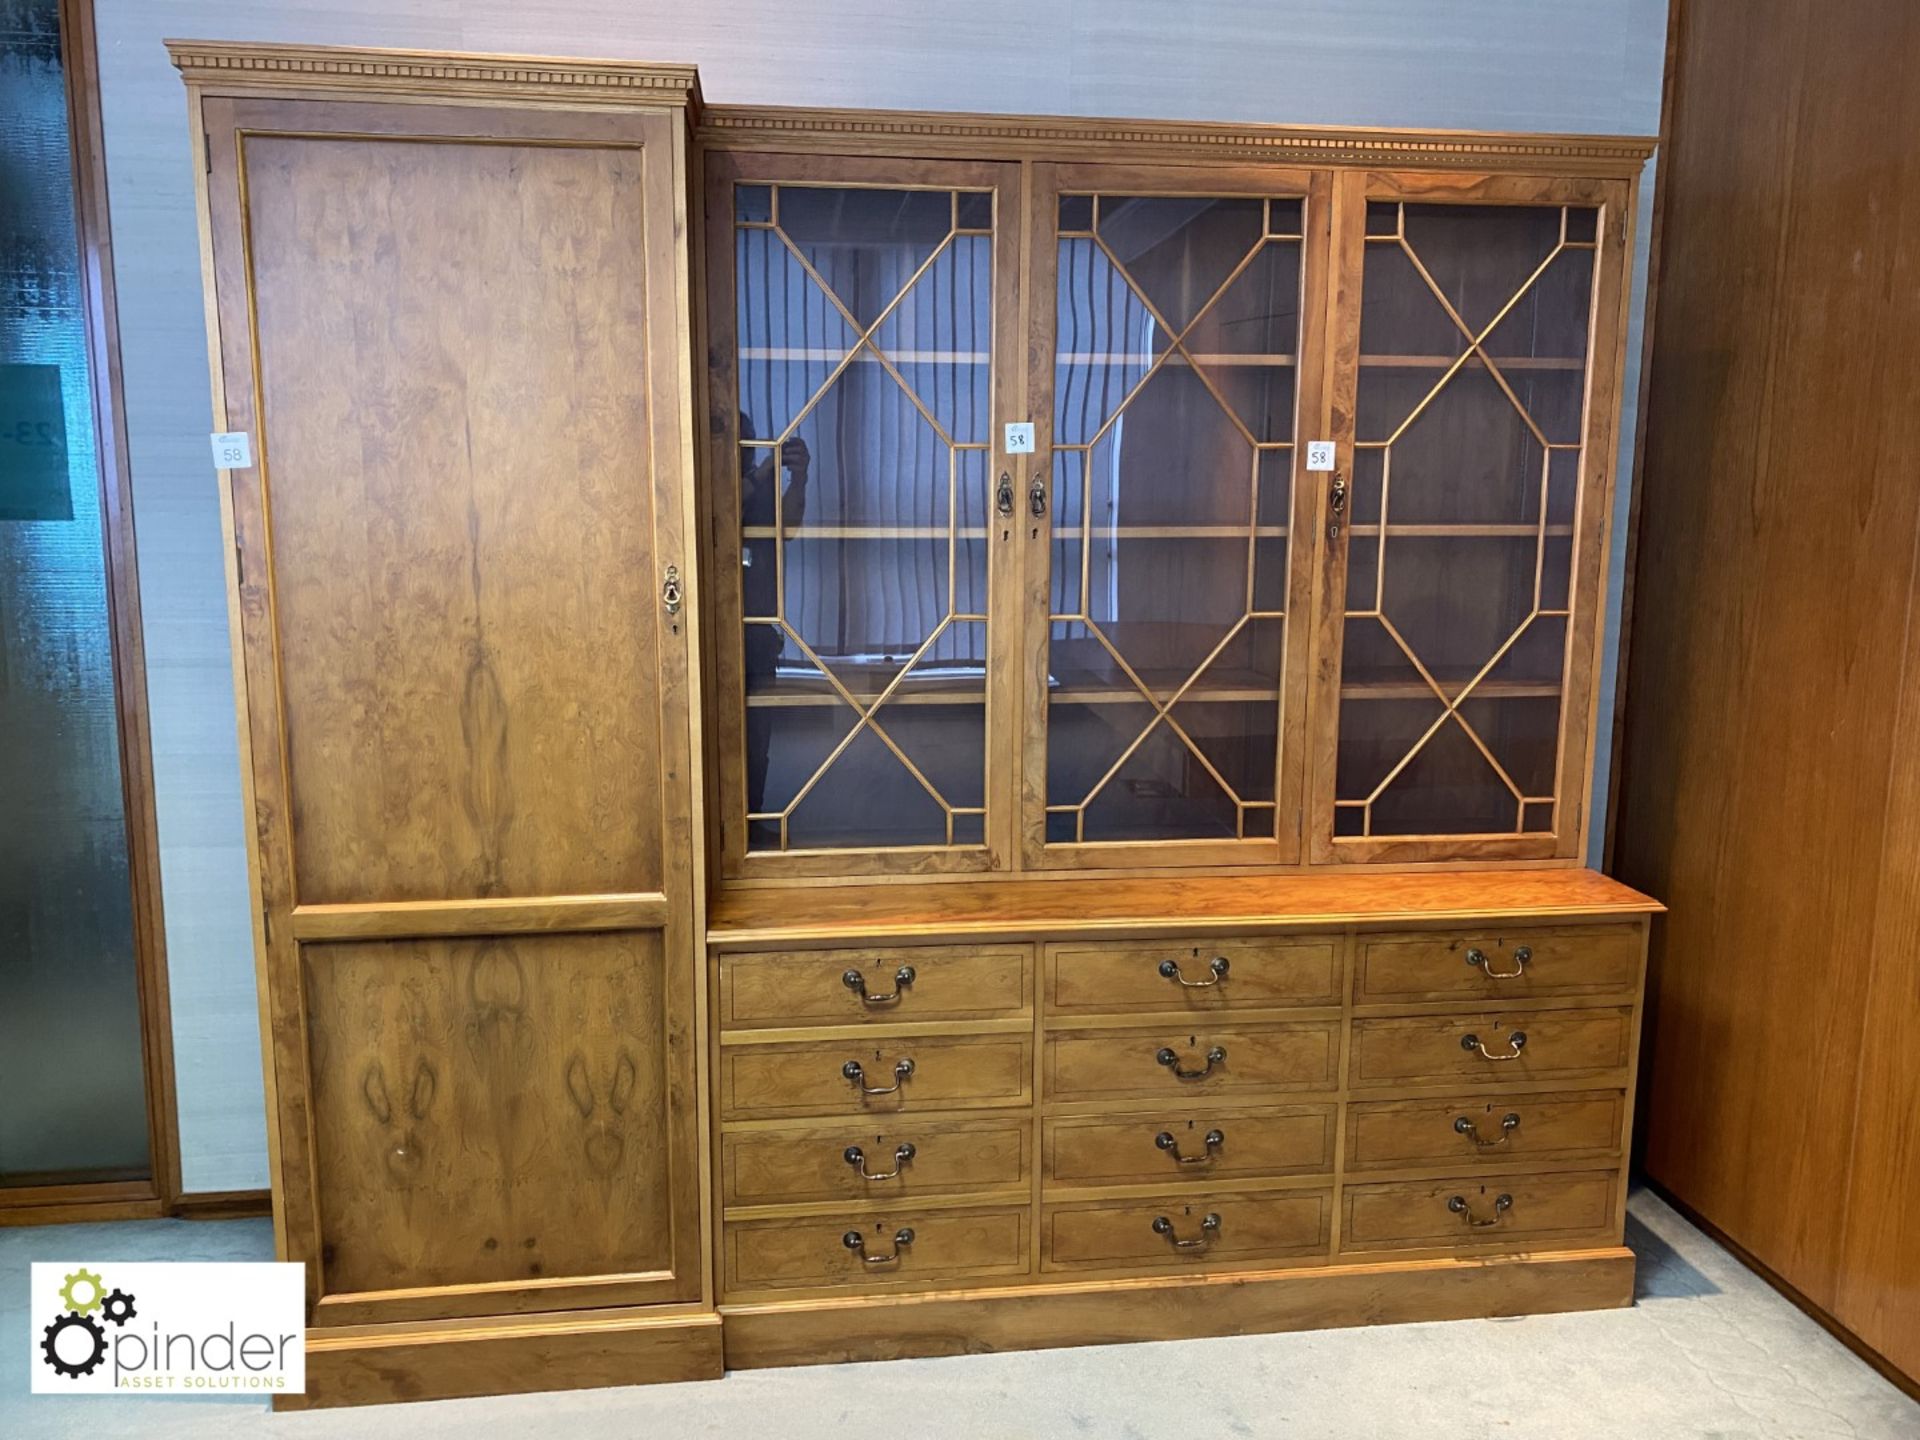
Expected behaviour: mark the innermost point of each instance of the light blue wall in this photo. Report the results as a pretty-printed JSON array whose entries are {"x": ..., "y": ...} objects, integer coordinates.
[{"x": 1556, "y": 65}]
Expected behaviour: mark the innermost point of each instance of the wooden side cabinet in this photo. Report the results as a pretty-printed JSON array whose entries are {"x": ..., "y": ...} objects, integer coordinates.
[{"x": 447, "y": 305}]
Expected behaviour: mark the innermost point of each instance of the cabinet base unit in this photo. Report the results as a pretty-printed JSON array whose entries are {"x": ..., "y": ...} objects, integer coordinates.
[
  {"x": 878, "y": 735},
  {"x": 443, "y": 1360},
  {"x": 1038, "y": 1317}
]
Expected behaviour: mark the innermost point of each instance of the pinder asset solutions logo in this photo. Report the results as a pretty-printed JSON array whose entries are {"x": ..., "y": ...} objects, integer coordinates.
[{"x": 181, "y": 1328}]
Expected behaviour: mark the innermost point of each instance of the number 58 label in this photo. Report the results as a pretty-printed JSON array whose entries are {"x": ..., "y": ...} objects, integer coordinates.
[{"x": 232, "y": 450}]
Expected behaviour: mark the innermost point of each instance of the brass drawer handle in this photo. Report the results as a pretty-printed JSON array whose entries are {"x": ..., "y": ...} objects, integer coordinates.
[
  {"x": 1214, "y": 1140},
  {"x": 855, "y": 1157},
  {"x": 1171, "y": 1060},
  {"x": 856, "y": 982},
  {"x": 1508, "y": 1124},
  {"x": 857, "y": 1243},
  {"x": 1517, "y": 1041},
  {"x": 1209, "y": 1228},
  {"x": 1217, "y": 970},
  {"x": 1459, "y": 1206},
  {"x": 1521, "y": 957},
  {"x": 902, "y": 1070}
]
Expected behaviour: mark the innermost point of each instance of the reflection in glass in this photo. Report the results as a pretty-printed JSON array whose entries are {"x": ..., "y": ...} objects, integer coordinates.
[
  {"x": 1176, "y": 335},
  {"x": 864, "y": 339},
  {"x": 1469, "y": 416},
  {"x": 72, "y": 1103}
]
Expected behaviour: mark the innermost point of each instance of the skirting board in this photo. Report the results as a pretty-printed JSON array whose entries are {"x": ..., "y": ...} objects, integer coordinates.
[
  {"x": 441, "y": 1360},
  {"x": 887, "y": 1327}
]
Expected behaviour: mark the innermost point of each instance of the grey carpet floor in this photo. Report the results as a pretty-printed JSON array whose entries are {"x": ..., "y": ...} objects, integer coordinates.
[{"x": 1708, "y": 1351}]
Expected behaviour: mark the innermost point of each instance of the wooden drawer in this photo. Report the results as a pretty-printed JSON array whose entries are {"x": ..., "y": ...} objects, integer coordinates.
[
  {"x": 944, "y": 1157},
  {"x": 968, "y": 1072},
  {"x": 772, "y": 989},
  {"x": 1419, "y": 1049},
  {"x": 1277, "y": 1140},
  {"x": 1179, "y": 976},
  {"x": 1223, "y": 1060},
  {"x": 1137, "y": 1234},
  {"x": 1494, "y": 1131},
  {"x": 1494, "y": 965},
  {"x": 927, "y": 1246},
  {"x": 1453, "y": 1214}
]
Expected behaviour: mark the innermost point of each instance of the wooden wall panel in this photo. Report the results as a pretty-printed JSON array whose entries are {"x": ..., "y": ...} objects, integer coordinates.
[{"x": 1769, "y": 793}]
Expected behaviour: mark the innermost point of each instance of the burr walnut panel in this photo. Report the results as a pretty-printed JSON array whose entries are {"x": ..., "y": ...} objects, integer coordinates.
[
  {"x": 879, "y": 1076},
  {"x": 1497, "y": 965},
  {"x": 1197, "y": 1146},
  {"x": 1173, "y": 976},
  {"x": 1479, "y": 1210},
  {"x": 871, "y": 1246},
  {"x": 898, "y": 1158},
  {"x": 1491, "y": 1047},
  {"x": 1175, "y": 1061},
  {"x": 490, "y": 1111},
  {"x": 874, "y": 986},
  {"x": 1191, "y": 1230},
  {"x": 464, "y": 561},
  {"x": 1495, "y": 1130}
]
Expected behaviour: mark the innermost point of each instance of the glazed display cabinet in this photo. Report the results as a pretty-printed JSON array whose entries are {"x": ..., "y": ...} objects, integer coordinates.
[{"x": 882, "y": 734}]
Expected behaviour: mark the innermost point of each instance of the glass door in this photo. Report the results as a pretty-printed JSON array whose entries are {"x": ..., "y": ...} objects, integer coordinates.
[
  {"x": 1466, "y": 520},
  {"x": 860, "y": 367},
  {"x": 74, "y": 1122},
  {"x": 1182, "y": 313}
]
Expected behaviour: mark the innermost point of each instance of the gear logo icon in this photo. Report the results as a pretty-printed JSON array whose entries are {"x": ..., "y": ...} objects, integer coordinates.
[
  {"x": 90, "y": 1284},
  {"x": 75, "y": 1342},
  {"x": 66, "y": 1365}
]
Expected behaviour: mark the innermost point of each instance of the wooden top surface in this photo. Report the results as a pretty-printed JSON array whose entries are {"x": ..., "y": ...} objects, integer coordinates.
[{"x": 1071, "y": 903}]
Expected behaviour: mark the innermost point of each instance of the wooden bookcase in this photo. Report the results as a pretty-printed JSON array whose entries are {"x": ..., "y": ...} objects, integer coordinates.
[{"x": 864, "y": 882}]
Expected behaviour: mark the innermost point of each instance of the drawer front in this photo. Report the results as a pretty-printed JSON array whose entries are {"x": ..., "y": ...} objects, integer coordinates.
[
  {"x": 1191, "y": 976},
  {"x": 1495, "y": 965},
  {"x": 840, "y": 1077},
  {"x": 1190, "y": 1147},
  {"x": 1186, "y": 1230},
  {"x": 1490, "y": 1048},
  {"x": 848, "y": 1162},
  {"x": 1217, "y": 1060},
  {"x": 1469, "y": 1211},
  {"x": 872, "y": 1247},
  {"x": 850, "y": 987},
  {"x": 1497, "y": 1130}
]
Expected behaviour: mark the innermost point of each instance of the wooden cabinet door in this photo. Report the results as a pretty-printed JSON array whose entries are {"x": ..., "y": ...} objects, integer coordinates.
[
  {"x": 1476, "y": 334},
  {"x": 865, "y": 357},
  {"x": 454, "y": 335},
  {"x": 1178, "y": 323}
]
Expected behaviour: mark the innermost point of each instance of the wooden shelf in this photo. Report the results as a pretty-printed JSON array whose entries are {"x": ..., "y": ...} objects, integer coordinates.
[
  {"x": 1502, "y": 363},
  {"x": 831, "y": 355},
  {"x": 1200, "y": 357},
  {"x": 1462, "y": 532},
  {"x": 976, "y": 532},
  {"x": 1420, "y": 690}
]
